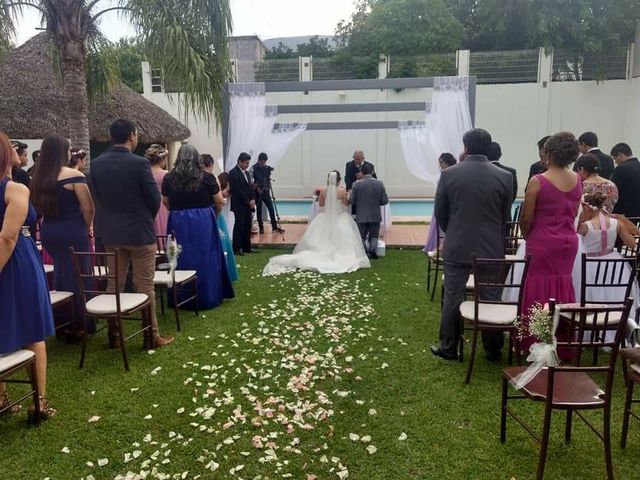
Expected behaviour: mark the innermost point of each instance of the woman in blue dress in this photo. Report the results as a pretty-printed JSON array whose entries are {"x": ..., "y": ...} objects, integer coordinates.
[
  {"x": 190, "y": 196},
  {"x": 25, "y": 308},
  {"x": 61, "y": 195},
  {"x": 232, "y": 269}
]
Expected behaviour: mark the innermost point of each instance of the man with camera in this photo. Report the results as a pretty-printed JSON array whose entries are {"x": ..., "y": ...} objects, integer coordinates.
[{"x": 262, "y": 182}]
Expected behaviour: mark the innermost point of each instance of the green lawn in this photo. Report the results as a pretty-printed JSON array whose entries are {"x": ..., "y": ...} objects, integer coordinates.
[{"x": 299, "y": 377}]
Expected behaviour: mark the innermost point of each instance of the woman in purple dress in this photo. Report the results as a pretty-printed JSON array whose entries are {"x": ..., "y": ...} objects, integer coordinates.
[
  {"x": 445, "y": 161},
  {"x": 548, "y": 225}
]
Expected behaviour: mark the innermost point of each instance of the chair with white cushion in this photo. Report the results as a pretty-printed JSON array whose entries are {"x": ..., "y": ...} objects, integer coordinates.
[
  {"x": 182, "y": 281},
  {"x": 101, "y": 304},
  {"x": 434, "y": 265},
  {"x": 11, "y": 363},
  {"x": 489, "y": 312},
  {"x": 60, "y": 299}
]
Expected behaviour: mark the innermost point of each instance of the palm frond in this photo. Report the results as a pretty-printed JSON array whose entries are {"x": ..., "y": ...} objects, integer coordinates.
[
  {"x": 9, "y": 13},
  {"x": 103, "y": 65},
  {"x": 188, "y": 40}
]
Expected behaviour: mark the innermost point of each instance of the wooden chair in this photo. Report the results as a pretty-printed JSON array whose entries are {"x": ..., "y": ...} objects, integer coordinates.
[
  {"x": 513, "y": 239},
  {"x": 182, "y": 280},
  {"x": 631, "y": 366},
  {"x": 434, "y": 265},
  {"x": 14, "y": 362},
  {"x": 61, "y": 299},
  {"x": 571, "y": 388},
  {"x": 489, "y": 311},
  {"x": 115, "y": 307}
]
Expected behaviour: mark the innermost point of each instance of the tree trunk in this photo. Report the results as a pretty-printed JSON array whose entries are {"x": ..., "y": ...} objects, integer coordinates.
[{"x": 75, "y": 92}]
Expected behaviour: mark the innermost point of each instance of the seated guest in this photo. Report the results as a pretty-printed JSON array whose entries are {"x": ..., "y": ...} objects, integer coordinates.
[
  {"x": 36, "y": 157},
  {"x": 26, "y": 318},
  {"x": 495, "y": 154},
  {"x": 626, "y": 176},
  {"x": 588, "y": 143},
  {"x": 588, "y": 168},
  {"x": 18, "y": 175},
  {"x": 538, "y": 167},
  {"x": 78, "y": 160},
  {"x": 61, "y": 195},
  {"x": 157, "y": 156},
  {"x": 191, "y": 196}
]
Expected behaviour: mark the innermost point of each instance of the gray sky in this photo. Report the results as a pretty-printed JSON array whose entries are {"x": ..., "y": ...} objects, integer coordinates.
[{"x": 265, "y": 18}]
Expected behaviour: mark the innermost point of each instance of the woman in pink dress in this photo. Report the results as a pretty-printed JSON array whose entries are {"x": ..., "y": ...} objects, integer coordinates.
[
  {"x": 157, "y": 155},
  {"x": 548, "y": 225}
]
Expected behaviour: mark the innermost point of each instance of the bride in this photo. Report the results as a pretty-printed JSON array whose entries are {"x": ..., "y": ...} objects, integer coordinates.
[{"x": 331, "y": 243}]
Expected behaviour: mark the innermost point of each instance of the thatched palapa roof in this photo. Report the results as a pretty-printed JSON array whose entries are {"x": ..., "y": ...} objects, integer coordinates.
[{"x": 32, "y": 103}]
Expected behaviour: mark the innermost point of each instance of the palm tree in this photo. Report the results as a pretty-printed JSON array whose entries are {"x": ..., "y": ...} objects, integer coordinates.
[{"x": 187, "y": 39}]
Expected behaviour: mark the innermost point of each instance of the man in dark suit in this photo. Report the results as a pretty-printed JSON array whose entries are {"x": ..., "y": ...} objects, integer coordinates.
[
  {"x": 626, "y": 176},
  {"x": 495, "y": 154},
  {"x": 367, "y": 196},
  {"x": 353, "y": 169},
  {"x": 243, "y": 203},
  {"x": 538, "y": 167},
  {"x": 588, "y": 143},
  {"x": 472, "y": 206},
  {"x": 127, "y": 201},
  {"x": 18, "y": 174}
]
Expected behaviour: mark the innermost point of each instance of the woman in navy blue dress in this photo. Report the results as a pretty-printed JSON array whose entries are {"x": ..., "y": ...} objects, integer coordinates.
[
  {"x": 60, "y": 194},
  {"x": 25, "y": 308},
  {"x": 190, "y": 197}
]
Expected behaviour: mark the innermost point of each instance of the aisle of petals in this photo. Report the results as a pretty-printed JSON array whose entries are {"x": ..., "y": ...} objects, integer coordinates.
[{"x": 264, "y": 400}]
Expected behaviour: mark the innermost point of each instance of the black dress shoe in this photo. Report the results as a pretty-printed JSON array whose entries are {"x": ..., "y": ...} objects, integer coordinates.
[
  {"x": 373, "y": 254},
  {"x": 442, "y": 354}
]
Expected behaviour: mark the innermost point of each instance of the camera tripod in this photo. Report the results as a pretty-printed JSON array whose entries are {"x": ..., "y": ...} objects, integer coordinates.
[{"x": 275, "y": 208}]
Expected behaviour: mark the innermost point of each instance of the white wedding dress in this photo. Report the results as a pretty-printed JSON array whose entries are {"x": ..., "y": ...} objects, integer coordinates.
[{"x": 331, "y": 243}]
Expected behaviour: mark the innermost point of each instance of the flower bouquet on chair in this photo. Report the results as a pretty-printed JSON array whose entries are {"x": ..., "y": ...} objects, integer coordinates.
[
  {"x": 542, "y": 325},
  {"x": 173, "y": 252}
]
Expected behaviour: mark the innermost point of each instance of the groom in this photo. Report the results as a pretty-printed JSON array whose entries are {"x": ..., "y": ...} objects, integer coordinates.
[{"x": 367, "y": 196}]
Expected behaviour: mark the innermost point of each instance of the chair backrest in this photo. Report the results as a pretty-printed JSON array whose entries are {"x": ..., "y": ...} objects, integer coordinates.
[
  {"x": 513, "y": 238},
  {"x": 104, "y": 269},
  {"x": 602, "y": 276},
  {"x": 161, "y": 248},
  {"x": 494, "y": 276},
  {"x": 587, "y": 329},
  {"x": 630, "y": 253},
  {"x": 517, "y": 212}
]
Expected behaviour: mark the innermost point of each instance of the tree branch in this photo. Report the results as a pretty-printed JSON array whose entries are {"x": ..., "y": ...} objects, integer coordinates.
[
  {"x": 93, "y": 19},
  {"x": 26, "y": 4}
]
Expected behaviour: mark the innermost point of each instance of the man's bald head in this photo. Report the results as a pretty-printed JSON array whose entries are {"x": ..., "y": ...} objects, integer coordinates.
[{"x": 358, "y": 157}]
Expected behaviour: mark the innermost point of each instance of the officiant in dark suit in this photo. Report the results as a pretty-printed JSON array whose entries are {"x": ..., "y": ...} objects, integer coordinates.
[
  {"x": 495, "y": 154},
  {"x": 472, "y": 206},
  {"x": 243, "y": 203},
  {"x": 353, "y": 169}
]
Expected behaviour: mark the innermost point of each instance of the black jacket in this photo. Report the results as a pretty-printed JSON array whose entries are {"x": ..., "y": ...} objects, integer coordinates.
[
  {"x": 18, "y": 175},
  {"x": 351, "y": 170},
  {"x": 126, "y": 196},
  {"x": 536, "y": 169},
  {"x": 514, "y": 174},
  {"x": 606, "y": 163},
  {"x": 627, "y": 179},
  {"x": 241, "y": 189}
]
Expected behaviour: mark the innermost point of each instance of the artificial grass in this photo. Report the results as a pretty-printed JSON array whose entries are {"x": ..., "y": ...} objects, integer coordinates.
[{"x": 381, "y": 359}]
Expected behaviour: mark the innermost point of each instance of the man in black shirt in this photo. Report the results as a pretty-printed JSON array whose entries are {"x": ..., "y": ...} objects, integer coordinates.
[
  {"x": 18, "y": 175},
  {"x": 626, "y": 176},
  {"x": 262, "y": 183},
  {"x": 538, "y": 167},
  {"x": 588, "y": 143},
  {"x": 494, "y": 156}
]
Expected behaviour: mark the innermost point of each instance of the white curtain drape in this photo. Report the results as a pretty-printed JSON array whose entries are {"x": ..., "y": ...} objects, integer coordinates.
[
  {"x": 444, "y": 125},
  {"x": 251, "y": 125}
]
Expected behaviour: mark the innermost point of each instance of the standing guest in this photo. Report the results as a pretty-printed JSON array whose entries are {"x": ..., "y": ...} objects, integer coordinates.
[
  {"x": 262, "y": 181},
  {"x": 157, "y": 156},
  {"x": 547, "y": 223},
  {"x": 26, "y": 318},
  {"x": 472, "y": 206},
  {"x": 207, "y": 166},
  {"x": 127, "y": 201},
  {"x": 495, "y": 154},
  {"x": 367, "y": 196},
  {"x": 60, "y": 194},
  {"x": 353, "y": 169},
  {"x": 78, "y": 159},
  {"x": 191, "y": 195},
  {"x": 626, "y": 176},
  {"x": 18, "y": 174},
  {"x": 588, "y": 168},
  {"x": 243, "y": 203},
  {"x": 538, "y": 167},
  {"x": 588, "y": 143},
  {"x": 436, "y": 235},
  {"x": 35, "y": 156}
]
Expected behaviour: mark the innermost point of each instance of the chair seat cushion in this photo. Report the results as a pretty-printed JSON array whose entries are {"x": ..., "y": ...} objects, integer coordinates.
[
  {"x": 570, "y": 388},
  {"x": 106, "y": 304},
  {"x": 10, "y": 360},
  {"x": 497, "y": 314},
  {"x": 631, "y": 354},
  {"x": 57, "y": 296},
  {"x": 48, "y": 268},
  {"x": 162, "y": 278},
  {"x": 614, "y": 317},
  {"x": 433, "y": 254}
]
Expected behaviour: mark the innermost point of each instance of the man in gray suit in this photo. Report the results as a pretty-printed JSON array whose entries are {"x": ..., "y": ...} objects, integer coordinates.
[
  {"x": 367, "y": 196},
  {"x": 472, "y": 206}
]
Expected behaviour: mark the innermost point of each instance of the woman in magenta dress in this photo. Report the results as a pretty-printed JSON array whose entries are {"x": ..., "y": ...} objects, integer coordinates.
[
  {"x": 157, "y": 156},
  {"x": 548, "y": 225}
]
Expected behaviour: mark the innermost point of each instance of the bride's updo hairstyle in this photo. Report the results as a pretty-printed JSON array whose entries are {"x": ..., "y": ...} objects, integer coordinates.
[
  {"x": 338, "y": 177},
  {"x": 562, "y": 149},
  {"x": 589, "y": 163},
  {"x": 595, "y": 200}
]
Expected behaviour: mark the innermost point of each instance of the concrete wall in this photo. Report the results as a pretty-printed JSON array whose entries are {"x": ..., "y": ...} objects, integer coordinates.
[{"x": 246, "y": 48}]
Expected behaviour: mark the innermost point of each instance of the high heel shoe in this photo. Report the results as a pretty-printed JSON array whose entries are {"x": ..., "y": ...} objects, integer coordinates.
[
  {"x": 46, "y": 412},
  {"x": 4, "y": 403}
]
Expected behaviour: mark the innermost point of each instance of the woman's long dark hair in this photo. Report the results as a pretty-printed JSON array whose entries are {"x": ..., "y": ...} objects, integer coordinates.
[
  {"x": 187, "y": 174},
  {"x": 53, "y": 156}
]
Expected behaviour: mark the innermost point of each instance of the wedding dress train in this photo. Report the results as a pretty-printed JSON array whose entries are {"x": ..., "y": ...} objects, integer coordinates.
[{"x": 331, "y": 243}]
